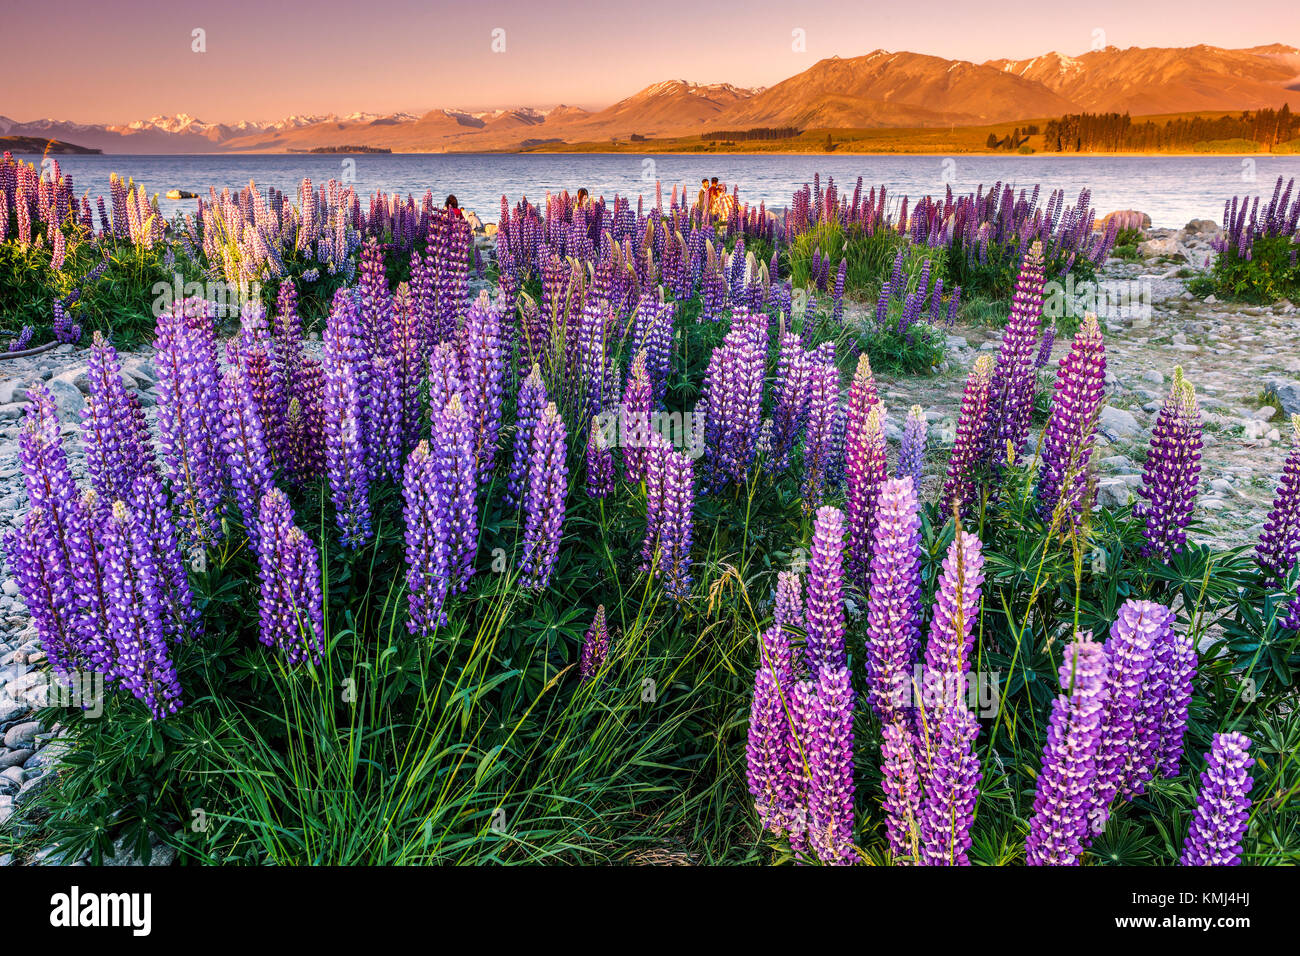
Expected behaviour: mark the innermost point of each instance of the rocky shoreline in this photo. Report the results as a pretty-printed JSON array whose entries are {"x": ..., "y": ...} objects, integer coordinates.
[{"x": 1241, "y": 360}]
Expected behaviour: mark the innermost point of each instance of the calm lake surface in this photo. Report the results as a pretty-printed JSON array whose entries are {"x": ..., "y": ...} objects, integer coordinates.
[{"x": 1172, "y": 190}]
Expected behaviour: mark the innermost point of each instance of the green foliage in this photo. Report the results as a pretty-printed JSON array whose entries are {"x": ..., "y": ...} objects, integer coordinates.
[{"x": 1272, "y": 272}]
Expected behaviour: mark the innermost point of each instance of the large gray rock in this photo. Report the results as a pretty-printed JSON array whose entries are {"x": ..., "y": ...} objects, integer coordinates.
[
  {"x": 68, "y": 398},
  {"x": 1285, "y": 393},
  {"x": 1116, "y": 423}
]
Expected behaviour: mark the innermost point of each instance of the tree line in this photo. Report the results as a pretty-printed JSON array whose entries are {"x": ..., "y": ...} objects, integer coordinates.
[{"x": 1117, "y": 132}]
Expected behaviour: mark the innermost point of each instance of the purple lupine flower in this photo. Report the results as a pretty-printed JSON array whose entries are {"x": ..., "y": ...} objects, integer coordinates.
[
  {"x": 894, "y": 599},
  {"x": 827, "y": 734},
  {"x": 35, "y": 554},
  {"x": 819, "y": 437},
  {"x": 595, "y": 647},
  {"x": 901, "y": 784},
  {"x": 1222, "y": 806},
  {"x": 951, "y": 788},
  {"x": 543, "y": 505},
  {"x": 775, "y": 757},
  {"x": 1171, "y": 473},
  {"x": 1064, "y": 793},
  {"x": 837, "y": 312},
  {"x": 1013, "y": 398},
  {"x": 825, "y": 600},
  {"x": 249, "y": 467},
  {"x": 789, "y": 610},
  {"x": 865, "y": 467},
  {"x": 1169, "y": 691},
  {"x": 445, "y": 375},
  {"x": 134, "y": 595},
  {"x": 291, "y": 609},
  {"x": 1068, "y": 439},
  {"x": 952, "y": 628},
  {"x": 345, "y": 445},
  {"x": 767, "y": 750},
  {"x": 484, "y": 363},
  {"x": 600, "y": 462},
  {"x": 457, "y": 489},
  {"x": 114, "y": 432},
  {"x": 911, "y": 454},
  {"x": 304, "y": 425},
  {"x": 428, "y": 571},
  {"x": 1130, "y": 650},
  {"x": 732, "y": 406},
  {"x": 678, "y": 526},
  {"x": 528, "y": 409},
  {"x": 1045, "y": 347},
  {"x": 634, "y": 419},
  {"x": 790, "y": 402},
  {"x": 967, "y": 448},
  {"x": 1157, "y": 695},
  {"x": 189, "y": 416},
  {"x": 153, "y": 511},
  {"x": 1279, "y": 543}
]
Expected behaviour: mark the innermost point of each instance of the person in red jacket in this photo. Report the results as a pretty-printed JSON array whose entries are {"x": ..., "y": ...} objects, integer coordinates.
[{"x": 453, "y": 207}]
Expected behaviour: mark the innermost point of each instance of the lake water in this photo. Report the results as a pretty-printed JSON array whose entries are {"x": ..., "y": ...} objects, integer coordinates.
[{"x": 1172, "y": 190}]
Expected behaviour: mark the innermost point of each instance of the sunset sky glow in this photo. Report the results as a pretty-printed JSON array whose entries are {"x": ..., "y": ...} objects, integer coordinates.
[{"x": 123, "y": 61}]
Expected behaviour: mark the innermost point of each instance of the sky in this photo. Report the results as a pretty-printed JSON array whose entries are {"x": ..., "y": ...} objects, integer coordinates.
[{"x": 114, "y": 62}]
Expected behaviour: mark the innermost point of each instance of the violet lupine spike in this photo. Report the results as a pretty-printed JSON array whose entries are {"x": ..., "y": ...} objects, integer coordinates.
[
  {"x": 528, "y": 410},
  {"x": 1155, "y": 697},
  {"x": 428, "y": 570},
  {"x": 457, "y": 489},
  {"x": 1279, "y": 543},
  {"x": 732, "y": 407},
  {"x": 894, "y": 599},
  {"x": 189, "y": 416},
  {"x": 114, "y": 432},
  {"x": 1222, "y": 812},
  {"x": 484, "y": 363},
  {"x": 595, "y": 647},
  {"x": 543, "y": 505},
  {"x": 901, "y": 784},
  {"x": 827, "y": 735},
  {"x": 153, "y": 511},
  {"x": 790, "y": 402},
  {"x": 249, "y": 467},
  {"x": 1045, "y": 347},
  {"x": 967, "y": 449},
  {"x": 911, "y": 454},
  {"x": 1063, "y": 795},
  {"x": 1014, "y": 377},
  {"x": 951, "y": 788},
  {"x": 767, "y": 751},
  {"x": 789, "y": 611},
  {"x": 951, "y": 640},
  {"x": 290, "y": 608},
  {"x": 819, "y": 436},
  {"x": 1171, "y": 472},
  {"x": 634, "y": 419},
  {"x": 56, "y": 541},
  {"x": 1068, "y": 438},
  {"x": 678, "y": 526},
  {"x": 865, "y": 467},
  {"x": 34, "y": 555},
  {"x": 134, "y": 593},
  {"x": 1130, "y": 651},
  {"x": 825, "y": 600},
  {"x": 345, "y": 446},
  {"x": 600, "y": 461},
  {"x": 1176, "y": 661}
]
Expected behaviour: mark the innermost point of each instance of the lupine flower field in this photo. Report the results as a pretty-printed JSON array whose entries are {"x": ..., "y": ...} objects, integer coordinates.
[{"x": 588, "y": 542}]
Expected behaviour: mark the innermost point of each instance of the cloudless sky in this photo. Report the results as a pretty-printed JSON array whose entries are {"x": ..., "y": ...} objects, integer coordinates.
[{"x": 101, "y": 61}]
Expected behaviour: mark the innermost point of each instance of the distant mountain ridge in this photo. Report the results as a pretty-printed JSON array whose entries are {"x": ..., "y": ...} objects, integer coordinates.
[{"x": 880, "y": 89}]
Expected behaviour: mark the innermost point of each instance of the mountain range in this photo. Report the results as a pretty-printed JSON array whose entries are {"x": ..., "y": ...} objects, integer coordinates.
[{"x": 878, "y": 90}]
